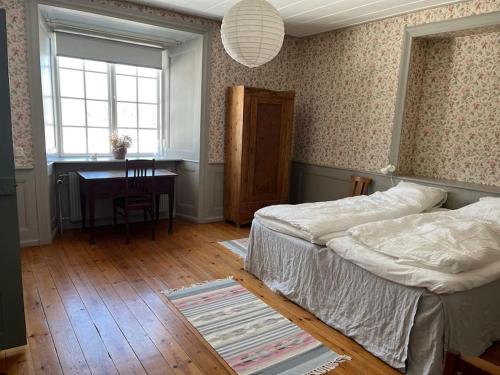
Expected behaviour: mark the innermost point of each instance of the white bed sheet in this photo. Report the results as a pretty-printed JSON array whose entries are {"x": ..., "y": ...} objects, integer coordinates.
[
  {"x": 286, "y": 228},
  {"x": 434, "y": 281},
  {"x": 319, "y": 222}
]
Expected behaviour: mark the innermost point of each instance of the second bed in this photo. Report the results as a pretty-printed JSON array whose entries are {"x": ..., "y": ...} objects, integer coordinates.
[{"x": 409, "y": 328}]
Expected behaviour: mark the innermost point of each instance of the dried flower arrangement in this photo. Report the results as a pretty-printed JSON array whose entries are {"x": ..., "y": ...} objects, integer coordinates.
[{"x": 120, "y": 143}]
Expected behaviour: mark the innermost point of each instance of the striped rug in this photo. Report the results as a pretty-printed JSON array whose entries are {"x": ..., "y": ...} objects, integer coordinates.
[
  {"x": 248, "y": 334},
  {"x": 239, "y": 247}
]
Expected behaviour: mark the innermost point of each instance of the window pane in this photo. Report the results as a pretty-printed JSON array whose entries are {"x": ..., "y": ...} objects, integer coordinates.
[
  {"x": 126, "y": 115},
  {"x": 133, "y": 134},
  {"x": 96, "y": 66},
  {"x": 147, "y": 90},
  {"x": 126, "y": 88},
  {"x": 96, "y": 85},
  {"x": 148, "y": 141},
  {"x": 73, "y": 112},
  {"x": 148, "y": 116},
  {"x": 71, "y": 82},
  {"x": 97, "y": 113},
  {"x": 98, "y": 141},
  {"x": 125, "y": 69},
  {"x": 69, "y": 62},
  {"x": 147, "y": 72},
  {"x": 74, "y": 140}
]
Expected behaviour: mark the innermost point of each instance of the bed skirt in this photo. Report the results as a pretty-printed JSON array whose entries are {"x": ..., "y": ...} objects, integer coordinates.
[{"x": 408, "y": 328}]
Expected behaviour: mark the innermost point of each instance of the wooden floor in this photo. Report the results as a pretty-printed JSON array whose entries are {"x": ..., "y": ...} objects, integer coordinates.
[{"x": 98, "y": 309}]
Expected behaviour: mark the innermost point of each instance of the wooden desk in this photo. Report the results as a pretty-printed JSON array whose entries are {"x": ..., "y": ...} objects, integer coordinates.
[{"x": 111, "y": 184}]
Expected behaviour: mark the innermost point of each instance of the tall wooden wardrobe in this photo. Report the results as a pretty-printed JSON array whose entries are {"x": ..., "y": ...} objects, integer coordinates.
[{"x": 257, "y": 150}]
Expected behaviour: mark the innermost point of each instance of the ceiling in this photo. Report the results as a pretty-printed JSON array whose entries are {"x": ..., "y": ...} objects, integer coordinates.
[{"x": 307, "y": 17}]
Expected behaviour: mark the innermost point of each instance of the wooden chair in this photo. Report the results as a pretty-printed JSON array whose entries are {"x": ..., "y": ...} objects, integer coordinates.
[
  {"x": 139, "y": 193},
  {"x": 359, "y": 185},
  {"x": 456, "y": 364}
]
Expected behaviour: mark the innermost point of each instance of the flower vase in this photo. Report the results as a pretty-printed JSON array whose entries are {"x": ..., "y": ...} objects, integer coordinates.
[{"x": 119, "y": 153}]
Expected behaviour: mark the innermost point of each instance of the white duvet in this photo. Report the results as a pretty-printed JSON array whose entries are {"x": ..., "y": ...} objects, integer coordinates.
[
  {"x": 321, "y": 221},
  {"x": 445, "y": 252}
]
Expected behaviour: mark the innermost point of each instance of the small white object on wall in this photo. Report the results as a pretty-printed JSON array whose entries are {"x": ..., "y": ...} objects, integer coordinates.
[
  {"x": 388, "y": 169},
  {"x": 252, "y": 32}
]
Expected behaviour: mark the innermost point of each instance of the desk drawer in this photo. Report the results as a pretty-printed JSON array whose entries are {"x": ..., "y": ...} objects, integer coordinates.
[
  {"x": 164, "y": 184},
  {"x": 107, "y": 189}
]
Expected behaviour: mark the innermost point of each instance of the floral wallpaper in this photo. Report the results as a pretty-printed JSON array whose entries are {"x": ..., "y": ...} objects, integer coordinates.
[
  {"x": 18, "y": 77},
  {"x": 347, "y": 90},
  {"x": 455, "y": 131},
  {"x": 279, "y": 74},
  {"x": 345, "y": 82}
]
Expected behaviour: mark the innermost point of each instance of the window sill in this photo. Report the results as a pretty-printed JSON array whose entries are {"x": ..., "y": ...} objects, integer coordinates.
[{"x": 104, "y": 159}]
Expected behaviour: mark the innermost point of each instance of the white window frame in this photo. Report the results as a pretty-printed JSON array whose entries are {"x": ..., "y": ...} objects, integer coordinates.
[{"x": 112, "y": 110}]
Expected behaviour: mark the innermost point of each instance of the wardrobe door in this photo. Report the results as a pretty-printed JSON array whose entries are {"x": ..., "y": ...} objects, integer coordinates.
[{"x": 268, "y": 152}]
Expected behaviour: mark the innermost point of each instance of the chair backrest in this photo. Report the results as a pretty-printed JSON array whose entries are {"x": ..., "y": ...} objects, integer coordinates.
[
  {"x": 140, "y": 176},
  {"x": 359, "y": 185}
]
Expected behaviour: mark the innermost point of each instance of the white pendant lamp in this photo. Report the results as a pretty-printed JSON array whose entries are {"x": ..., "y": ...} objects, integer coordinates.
[{"x": 252, "y": 32}]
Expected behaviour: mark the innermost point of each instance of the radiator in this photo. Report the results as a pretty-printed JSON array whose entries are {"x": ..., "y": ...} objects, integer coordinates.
[
  {"x": 163, "y": 203},
  {"x": 75, "y": 213}
]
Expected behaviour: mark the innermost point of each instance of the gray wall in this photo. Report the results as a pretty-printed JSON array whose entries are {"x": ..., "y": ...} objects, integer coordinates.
[
  {"x": 312, "y": 183},
  {"x": 26, "y": 207},
  {"x": 213, "y": 190},
  {"x": 187, "y": 190}
]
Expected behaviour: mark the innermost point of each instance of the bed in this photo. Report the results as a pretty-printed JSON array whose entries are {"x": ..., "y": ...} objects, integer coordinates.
[
  {"x": 319, "y": 222},
  {"x": 410, "y": 328}
]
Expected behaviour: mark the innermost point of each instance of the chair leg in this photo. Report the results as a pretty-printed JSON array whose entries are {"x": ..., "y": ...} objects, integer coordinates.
[
  {"x": 145, "y": 215},
  {"x": 153, "y": 223},
  {"x": 127, "y": 226},
  {"x": 114, "y": 214}
]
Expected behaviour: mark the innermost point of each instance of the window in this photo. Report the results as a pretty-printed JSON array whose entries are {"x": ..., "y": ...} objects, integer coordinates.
[{"x": 96, "y": 98}]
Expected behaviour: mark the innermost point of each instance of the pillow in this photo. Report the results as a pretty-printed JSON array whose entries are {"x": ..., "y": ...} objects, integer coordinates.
[
  {"x": 429, "y": 196},
  {"x": 487, "y": 209}
]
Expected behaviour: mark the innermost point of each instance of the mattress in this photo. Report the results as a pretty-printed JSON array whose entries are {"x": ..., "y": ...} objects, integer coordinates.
[{"x": 408, "y": 328}]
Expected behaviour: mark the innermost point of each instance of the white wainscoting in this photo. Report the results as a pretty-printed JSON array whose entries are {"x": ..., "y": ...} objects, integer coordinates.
[
  {"x": 187, "y": 190},
  {"x": 26, "y": 207},
  {"x": 214, "y": 193}
]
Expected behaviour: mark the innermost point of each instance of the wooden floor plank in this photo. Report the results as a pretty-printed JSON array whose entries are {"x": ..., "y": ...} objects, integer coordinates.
[
  {"x": 17, "y": 361},
  {"x": 177, "y": 359},
  {"x": 67, "y": 345},
  {"x": 147, "y": 353},
  {"x": 43, "y": 352},
  {"x": 87, "y": 333},
  {"x": 148, "y": 286},
  {"x": 115, "y": 342},
  {"x": 103, "y": 303}
]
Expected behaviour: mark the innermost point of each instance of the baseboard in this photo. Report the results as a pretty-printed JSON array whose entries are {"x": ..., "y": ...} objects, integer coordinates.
[
  {"x": 29, "y": 243},
  {"x": 192, "y": 219},
  {"x": 102, "y": 222},
  {"x": 212, "y": 219}
]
